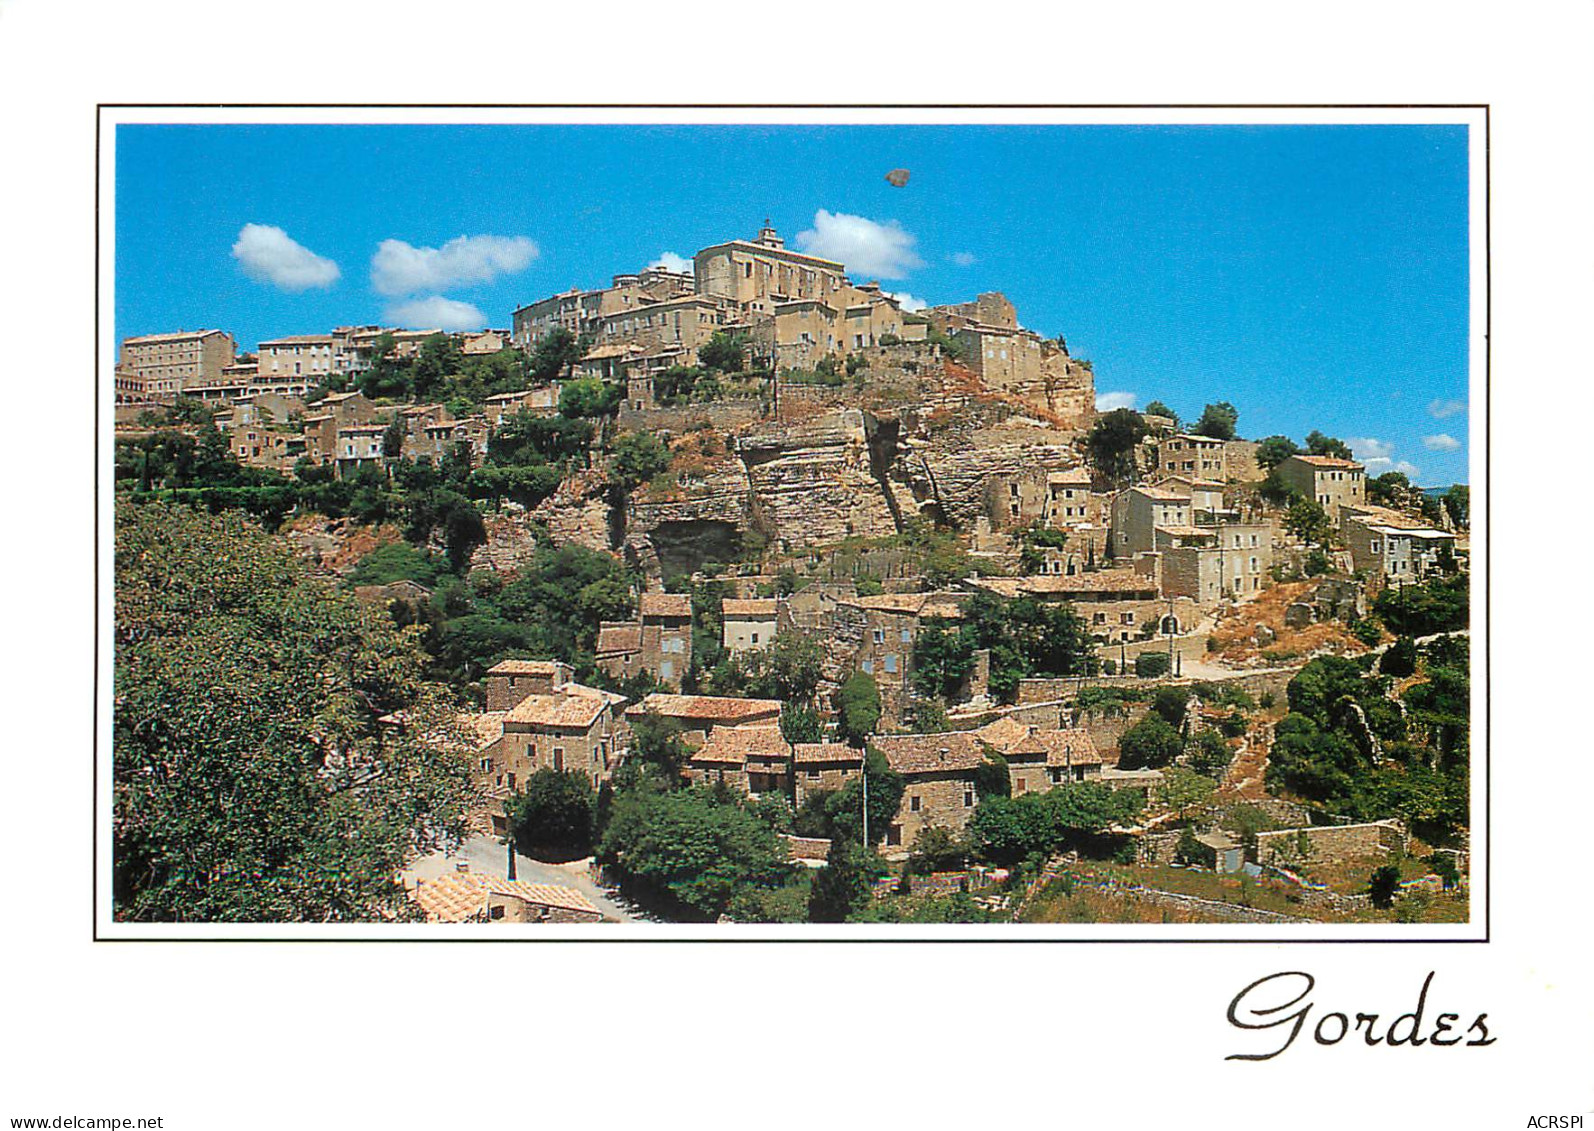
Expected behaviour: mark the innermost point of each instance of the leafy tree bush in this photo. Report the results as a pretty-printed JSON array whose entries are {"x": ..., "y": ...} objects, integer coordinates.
[
  {"x": 1112, "y": 441},
  {"x": 1383, "y": 884},
  {"x": 1318, "y": 444},
  {"x": 396, "y": 561},
  {"x": 238, "y": 678},
  {"x": 726, "y": 352},
  {"x": 1157, "y": 408},
  {"x": 992, "y": 778},
  {"x": 1183, "y": 790},
  {"x": 841, "y": 888},
  {"x": 590, "y": 397},
  {"x": 1274, "y": 450},
  {"x": 1006, "y": 830},
  {"x": 1209, "y": 754},
  {"x": 1170, "y": 703},
  {"x": 1400, "y": 658},
  {"x": 1218, "y": 421},
  {"x": 857, "y": 708},
  {"x": 1148, "y": 745},
  {"x": 1150, "y": 665},
  {"x": 1437, "y": 605},
  {"x": 638, "y": 457},
  {"x": 551, "y": 817},
  {"x": 556, "y": 352},
  {"x": 689, "y": 853}
]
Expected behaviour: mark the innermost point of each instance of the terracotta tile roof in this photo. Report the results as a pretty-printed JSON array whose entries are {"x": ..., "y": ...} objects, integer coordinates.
[
  {"x": 664, "y": 605},
  {"x": 1162, "y": 496},
  {"x": 749, "y": 607},
  {"x": 1328, "y": 461},
  {"x": 459, "y": 897},
  {"x": 915, "y": 604},
  {"x": 525, "y": 667},
  {"x": 1193, "y": 438},
  {"x": 931, "y": 753},
  {"x": 735, "y": 744},
  {"x": 621, "y": 637},
  {"x": 1102, "y": 581},
  {"x": 299, "y": 339},
  {"x": 574, "y": 705},
  {"x": 488, "y": 726},
  {"x": 710, "y": 707},
  {"x": 1003, "y": 732},
  {"x": 1072, "y": 475},
  {"x": 176, "y": 336},
  {"x": 805, "y": 753},
  {"x": 1070, "y": 746}
]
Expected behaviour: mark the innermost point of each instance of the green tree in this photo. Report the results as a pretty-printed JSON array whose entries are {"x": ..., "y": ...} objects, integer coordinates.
[
  {"x": 992, "y": 778},
  {"x": 1184, "y": 791},
  {"x": 1152, "y": 665},
  {"x": 252, "y": 780},
  {"x": 656, "y": 741},
  {"x": 857, "y": 708},
  {"x": 1209, "y": 754},
  {"x": 1112, "y": 442},
  {"x": 552, "y": 815},
  {"x": 1458, "y": 504},
  {"x": 638, "y": 457},
  {"x": 590, "y": 397},
  {"x": 726, "y": 352},
  {"x": 688, "y": 854},
  {"x": 1400, "y": 658},
  {"x": 799, "y": 723},
  {"x": 844, "y": 808},
  {"x": 1218, "y": 421},
  {"x": 1274, "y": 450},
  {"x": 1148, "y": 745},
  {"x": 1308, "y": 521},
  {"x": 841, "y": 888},
  {"x": 1318, "y": 444},
  {"x": 555, "y": 353},
  {"x": 1382, "y": 885}
]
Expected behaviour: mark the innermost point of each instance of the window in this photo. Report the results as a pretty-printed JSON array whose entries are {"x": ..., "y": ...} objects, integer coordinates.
[
  {"x": 511, "y": 781},
  {"x": 1020, "y": 785},
  {"x": 813, "y": 775},
  {"x": 968, "y": 799},
  {"x": 868, "y": 667},
  {"x": 907, "y": 635},
  {"x": 913, "y": 803},
  {"x": 891, "y": 662},
  {"x": 755, "y": 638},
  {"x": 1098, "y": 618},
  {"x": 486, "y": 765},
  {"x": 879, "y": 636}
]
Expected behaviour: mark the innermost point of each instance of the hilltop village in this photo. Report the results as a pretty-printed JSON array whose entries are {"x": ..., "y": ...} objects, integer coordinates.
[{"x": 750, "y": 594}]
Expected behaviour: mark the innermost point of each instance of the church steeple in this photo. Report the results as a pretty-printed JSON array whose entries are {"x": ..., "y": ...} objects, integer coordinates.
[{"x": 768, "y": 237}]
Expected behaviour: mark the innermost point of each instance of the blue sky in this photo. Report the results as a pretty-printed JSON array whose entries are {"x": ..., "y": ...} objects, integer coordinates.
[{"x": 1315, "y": 276}]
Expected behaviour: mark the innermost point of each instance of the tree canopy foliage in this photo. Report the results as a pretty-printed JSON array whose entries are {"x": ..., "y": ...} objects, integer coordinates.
[{"x": 252, "y": 778}]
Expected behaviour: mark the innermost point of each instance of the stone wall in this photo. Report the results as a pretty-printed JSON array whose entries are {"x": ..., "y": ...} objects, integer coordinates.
[
  {"x": 1334, "y": 844},
  {"x": 723, "y": 416}
]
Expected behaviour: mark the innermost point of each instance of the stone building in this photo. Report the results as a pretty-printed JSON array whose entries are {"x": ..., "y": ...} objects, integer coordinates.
[
  {"x": 749, "y": 623},
  {"x": 1328, "y": 481},
  {"x": 1039, "y": 758},
  {"x": 989, "y": 309},
  {"x": 539, "y": 718},
  {"x": 541, "y": 401},
  {"x": 1004, "y": 358},
  {"x": 1137, "y": 512},
  {"x": 304, "y": 356},
  {"x": 758, "y": 275},
  {"x": 1392, "y": 546},
  {"x": 704, "y": 714},
  {"x": 1117, "y": 605},
  {"x": 164, "y": 365},
  {"x": 1206, "y": 563},
  {"x": 876, "y": 635},
  {"x": 822, "y": 767},
  {"x": 938, "y": 777},
  {"x": 1195, "y": 457},
  {"x": 327, "y": 417},
  {"x": 753, "y": 759},
  {"x": 666, "y": 623},
  {"x": 583, "y": 311},
  {"x": 619, "y": 648}
]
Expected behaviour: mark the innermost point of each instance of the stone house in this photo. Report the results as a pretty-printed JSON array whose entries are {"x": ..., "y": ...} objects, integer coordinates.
[
  {"x": 749, "y": 623},
  {"x": 1391, "y": 546},
  {"x": 876, "y": 635},
  {"x": 619, "y": 649},
  {"x": 822, "y": 766},
  {"x": 165, "y": 365},
  {"x": 305, "y": 356},
  {"x": 324, "y": 419},
  {"x": 1003, "y": 358},
  {"x": 542, "y": 401},
  {"x": 938, "y": 776},
  {"x": 752, "y": 759},
  {"x": 705, "y": 714},
  {"x": 1330, "y": 482},
  {"x": 471, "y": 897},
  {"x": 539, "y": 718},
  {"x": 1039, "y": 758},
  {"x": 665, "y": 620},
  {"x": 1198, "y": 457},
  {"x": 483, "y": 342},
  {"x": 1137, "y": 512},
  {"x": 1207, "y": 563},
  {"x": 1115, "y": 604}
]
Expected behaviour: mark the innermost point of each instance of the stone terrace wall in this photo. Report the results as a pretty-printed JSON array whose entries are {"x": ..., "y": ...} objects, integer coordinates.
[
  {"x": 723, "y": 416},
  {"x": 1334, "y": 844}
]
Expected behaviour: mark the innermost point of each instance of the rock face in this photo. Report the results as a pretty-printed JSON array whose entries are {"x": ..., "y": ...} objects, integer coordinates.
[
  {"x": 957, "y": 475},
  {"x": 817, "y": 483}
]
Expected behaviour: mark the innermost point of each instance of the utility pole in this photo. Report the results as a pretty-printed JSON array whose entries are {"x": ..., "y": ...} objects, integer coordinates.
[{"x": 866, "y": 798}]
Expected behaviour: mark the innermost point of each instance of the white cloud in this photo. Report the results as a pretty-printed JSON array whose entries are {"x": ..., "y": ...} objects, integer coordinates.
[
  {"x": 1378, "y": 465},
  {"x": 1106, "y": 402},
  {"x": 270, "y": 255},
  {"x": 672, "y": 262},
  {"x": 399, "y": 268},
  {"x": 907, "y": 302},
  {"x": 1366, "y": 448},
  {"x": 436, "y": 313},
  {"x": 865, "y": 246},
  {"x": 1443, "y": 442},
  {"x": 1439, "y": 409},
  {"x": 963, "y": 258}
]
